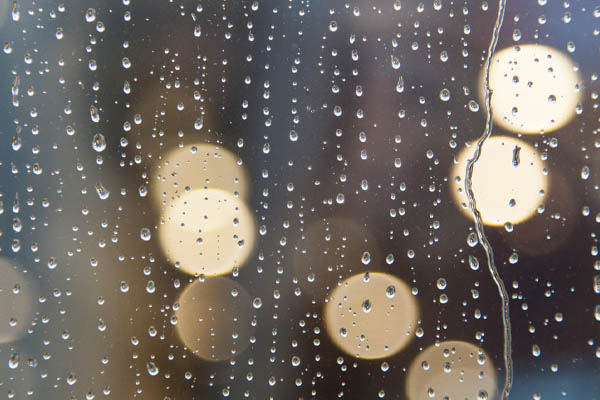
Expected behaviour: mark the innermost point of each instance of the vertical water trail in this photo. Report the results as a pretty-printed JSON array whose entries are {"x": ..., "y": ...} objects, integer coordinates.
[{"x": 508, "y": 363}]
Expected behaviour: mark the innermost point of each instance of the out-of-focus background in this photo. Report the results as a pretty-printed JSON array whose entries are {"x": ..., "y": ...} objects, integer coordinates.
[{"x": 266, "y": 199}]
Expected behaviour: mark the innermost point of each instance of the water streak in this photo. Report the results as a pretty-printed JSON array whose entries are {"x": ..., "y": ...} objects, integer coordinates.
[{"x": 508, "y": 363}]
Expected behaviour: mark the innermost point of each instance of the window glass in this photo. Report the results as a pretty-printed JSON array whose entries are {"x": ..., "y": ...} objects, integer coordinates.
[{"x": 299, "y": 199}]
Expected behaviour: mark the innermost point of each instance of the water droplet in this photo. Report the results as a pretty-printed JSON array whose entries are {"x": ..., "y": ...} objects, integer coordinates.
[
  {"x": 390, "y": 292},
  {"x": 473, "y": 106},
  {"x": 441, "y": 283},
  {"x": 145, "y": 234},
  {"x": 152, "y": 368},
  {"x": 94, "y": 114},
  {"x": 295, "y": 361},
  {"x": 257, "y": 303},
  {"x": 90, "y": 15},
  {"x": 333, "y": 26},
  {"x": 473, "y": 263},
  {"x": 366, "y": 258},
  {"x": 13, "y": 361},
  {"x": 99, "y": 142},
  {"x": 445, "y": 94},
  {"x": 472, "y": 239},
  {"x": 15, "y": 12},
  {"x": 102, "y": 191},
  {"x": 585, "y": 172},
  {"x": 71, "y": 379},
  {"x": 366, "y": 306}
]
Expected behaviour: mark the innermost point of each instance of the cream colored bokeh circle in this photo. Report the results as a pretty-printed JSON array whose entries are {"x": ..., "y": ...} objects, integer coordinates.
[
  {"x": 371, "y": 317},
  {"x": 17, "y": 300},
  {"x": 214, "y": 319},
  {"x": 509, "y": 182},
  {"x": 208, "y": 232},
  {"x": 451, "y": 369},
  {"x": 535, "y": 88},
  {"x": 197, "y": 166}
]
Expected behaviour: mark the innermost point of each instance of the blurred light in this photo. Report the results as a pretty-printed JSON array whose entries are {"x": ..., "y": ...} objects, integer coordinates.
[
  {"x": 453, "y": 370},
  {"x": 214, "y": 319},
  {"x": 331, "y": 250},
  {"x": 559, "y": 221},
  {"x": 208, "y": 232},
  {"x": 535, "y": 88},
  {"x": 198, "y": 166},
  {"x": 18, "y": 296},
  {"x": 371, "y": 316},
  {"x": 509, "y": 183}
]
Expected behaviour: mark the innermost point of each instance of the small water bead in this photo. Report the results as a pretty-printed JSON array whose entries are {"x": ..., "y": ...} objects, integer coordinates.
[
  {"x": 293, "y": 135},
  {"x": 441, "y": 283},
  {"x": 124, "y": 287},
  {"x": 473, "y": 263},
  {"x": 295, "y": 361},
  {"x": 13, "y": 361},
  {"x": 99, "y": 142},
  {"x": 385, "y": 367},
  {"x": 71, "y": 379},
  {"x": 333, "y": 26},
  {"x": 472, "y": 239},
  {"x": 366, "y": 258},
  {"x": 473, "y": 106},
  {"x": 389, "y": 259},
  {"x": 445, "y": 95},
  {"x": 514, "y": 258},
  {"x": 257, "y": 303},
  {"x": 535, "y": 350},
  {"x": 152, "y": 368},
  {"x": 90, "y": 15},
  {"x": 390, "y": 292},
  {"x": 145, "y": 234},
  {"x": 366, "y": 306}
]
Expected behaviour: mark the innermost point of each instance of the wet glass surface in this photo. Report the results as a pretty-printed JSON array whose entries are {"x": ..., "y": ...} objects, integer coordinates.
[{"x": 267, "y": 199}]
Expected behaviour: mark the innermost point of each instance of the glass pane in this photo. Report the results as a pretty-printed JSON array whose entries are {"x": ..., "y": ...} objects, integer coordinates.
[{"x": 307, "y": 200}]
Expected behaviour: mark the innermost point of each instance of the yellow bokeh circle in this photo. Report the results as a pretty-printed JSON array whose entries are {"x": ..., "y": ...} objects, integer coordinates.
[
  {"x": 509, "y": 181},
  {"x": 451, "y": 370},
  {"x": 371, "y": 315},
  {"x": 197, "y": 166},
  {"x": 208, "y": 232},
  {"x": 535, "y": 88}
]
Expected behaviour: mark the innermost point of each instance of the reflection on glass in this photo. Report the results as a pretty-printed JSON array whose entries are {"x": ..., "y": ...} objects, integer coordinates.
[
  {"x": 371, "y": 315},
  {"x": 451, "y": 370},
  {"x": 18, "y": 298},
  {"x": 509, "y": 181},
  {"x": 214, "y": 319},
  {"x": 535, "y": 88}
]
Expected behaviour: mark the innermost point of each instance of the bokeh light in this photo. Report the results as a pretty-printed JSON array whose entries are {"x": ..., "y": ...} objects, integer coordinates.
[
  {"x": 509, "y": 182},
  {"x": 535, "y": 88},
  {"x": 371, "y": 315},
  {"x": 197, "y": 166},
  {"x": 18, "y": 297},
  {"x": 208, "y": 232},
  {"x": 214, "y": 318},
  {"x": 331, "y": 250},
  {"x": 451, "y": 370}
]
